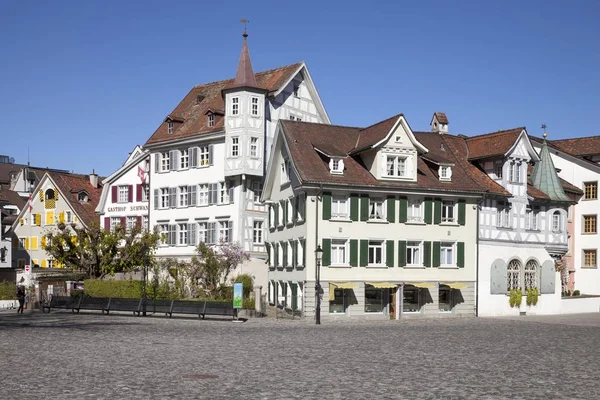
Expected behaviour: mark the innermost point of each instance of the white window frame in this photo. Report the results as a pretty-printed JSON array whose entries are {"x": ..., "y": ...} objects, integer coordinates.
[
  {"x": 224, "y": 231},
  {"x": 280, "y": 214},
  {"x": 145, "y": 222},
  {"x": 373, "y": 248},
  {"x": 377, "y": 210},
  {"x": 290, "y": 211},
  {"x": 447, "y": 250},
  {"x": 532, "y": 218},
  {"x": 253, "y": 150},
  {"x": 184, "y": 159},
  {"x": 445, "y": 173},
  {"x": 503, "y": 215},
  {"x": 123, "y": 192},
  {"x": 339, "y": 252},
  {"x": 300, "y": 208},
  {"x": 414, "y": 248},
  {"x": 163, "y": 230},
  {"x": 235, "y": 106},
  {"x": 68, "y": 217},
  {"x": 224, "y": 192},
  {"x": 257, "y": 188},
  {"x": 211, "y": 119},
  {"x": 448, "y": 207},
  {"x": 235, "y": 146},
  {"x": 398, "y": 165},
  {"x": 515, "y": 171},
  {"x": 130, "y": 222},
  {"x": 254, "y": 106},
  {"x": 203, "y": 194},
  {"x": 339, "y": 207},
  {"x": 170, "y": 127},
  {"x": 164, "y": 198},
  {"x": 145, "y": 192},
  {"x": 182, "y": 234},
  {"x": 257, "y": 231},
  {"x": 203, "y": 156},
  {"x": 415, "y": 210},
  {"x": 183, "y": 196},
  {"x": 164, "y": 161},
  {"x": 557, "y": 223},
  {"x": 285, "y": 172},
  {"x": 296, "y": 90},
  {"x": 114, "y": 222}
]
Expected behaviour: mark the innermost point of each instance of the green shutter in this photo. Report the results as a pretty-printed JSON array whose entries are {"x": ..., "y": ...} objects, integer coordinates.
[
  {"x": 437, "y": 211},
  {"x": 295, "y": 210},
  {"x": 294, "y": 253},
  {"x": 364, "y": 207},
  {"x": 284, "y": 250},
  {"x": 428, "y": 210},
  {"x": 391, "y": 211},
  {"x": 304, "y": 253},
  {"x": 427, "y": 254},
  {"x": 403, "y": 210},
  {"x": 285, "y": 212},
  {"x": 276, "y": 255},
  {"x": 354, "y": 207},
  {"x": 460, "y": 260},
  {"x": 389, "y": 255},
  {"x": 326, "y": 206},
  {"x": 402, "y": 253},
  {"x": 353, "y": 253},
  {"x": 326, "y": 252},
  {"x": 436, "y": 254},
  {"x": 276, "y": 214},
  {"x": 270, "y": 208},
  {"x": 268, "y": 248},
  {"x": 461, "y": 212},
  {"x": 364, "y": 253}
]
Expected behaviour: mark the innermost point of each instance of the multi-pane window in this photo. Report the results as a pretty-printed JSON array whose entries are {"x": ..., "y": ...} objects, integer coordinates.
[
  {"x": 164, "y": 198},
  {"x": 114, "y": 222},
  {"x": 204, "y": 153},
  {"x": 235, "y": 146},
  {"x": 589, "y": 224},
  {"x": 225, "y": 231},
  {"x": 448, "y": 211},
  {"x": 225, "y": 193},
  {"x": 257, "y": 232},
  {"x": 145, "y": 224},
  {"x": 253, "y": 147},
  {"x": 529, "y": 275},
  {"x": 413, "y": 253},
  {"x": 589, "y": 258},
  {"x": 131, "y": 221},
  {"x": 499, "y": 171},
  {"x": 503, "y": 215},
  {"x": 68, "y": 217},
  {"x": 376, "y": 252},
  {"x": 183, "y": 196},
  {"x": 257, "y": 191},
  {"x": 163, "y": 230},
  {"x": 513, "y": 274},
  {"x": 235, "y": 106},
  {"x": 123, "y": 194},
  {"x": 203, "y": 194},
  {"x": 183, "y": 234},
  {"x": 531, "y": 218},
  {"x": 515, "y": 172},
  {"x": 339, "y": 250},
  {"x": 415, "y": 210},
  {"x": 444, "y": 172},
  {"x": 170, "y": 126},
  {"x": 446, "y": 253},
  {"x": 254, "y": 106},
  {"x": 395, "y": 166},
  {"x": 339, "y": 207},
  {"x": 557, "y": 222},
  {"x": 50, "y": 263},
  {"x": 184, "y": 159},
  {"x": 211, "y": 119},
  {"x": 590, "y": 190},
  {"x": 376, "y": 209},
  {"x": 164, "y": 161}
]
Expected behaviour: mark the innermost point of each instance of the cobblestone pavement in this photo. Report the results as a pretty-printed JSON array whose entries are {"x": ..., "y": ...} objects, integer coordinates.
[{"x": 66, "y": 356}]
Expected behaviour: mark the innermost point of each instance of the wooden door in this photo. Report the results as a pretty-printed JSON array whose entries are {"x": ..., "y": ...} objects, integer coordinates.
[{"x": 392, "y": 306}]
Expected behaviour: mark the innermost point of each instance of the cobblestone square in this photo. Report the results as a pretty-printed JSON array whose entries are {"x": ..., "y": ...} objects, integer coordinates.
[{"x": 65, "y": 356}]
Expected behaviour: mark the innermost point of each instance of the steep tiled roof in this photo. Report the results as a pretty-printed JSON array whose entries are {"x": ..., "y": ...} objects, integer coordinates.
[
  {"x": 6, "y": 169},
  {"x": 492, "y": 144},
  {"x": 193, "y": 112},
  {"x": 581, "y": 147},
  {"x": 12, "y": 198},
  {"x": 375, "y": 133},
  {"x": 70, "y": 185},
  {"x": 441, "y": 117},
  {"x": 245, "y": 75},
  {"x": 545, "y": 178}
]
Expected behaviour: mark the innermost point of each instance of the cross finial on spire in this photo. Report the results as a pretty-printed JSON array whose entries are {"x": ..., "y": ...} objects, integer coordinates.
[{"x": 245, "y": 22}]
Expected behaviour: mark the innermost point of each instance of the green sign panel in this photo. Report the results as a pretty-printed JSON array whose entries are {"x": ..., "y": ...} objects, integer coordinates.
[{"x": 238, "y": 290}]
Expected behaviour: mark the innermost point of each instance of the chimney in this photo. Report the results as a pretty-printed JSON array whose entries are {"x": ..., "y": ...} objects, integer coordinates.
[
  {"x": 94, "y": 179},
  {"x": 439, "y": 123}
]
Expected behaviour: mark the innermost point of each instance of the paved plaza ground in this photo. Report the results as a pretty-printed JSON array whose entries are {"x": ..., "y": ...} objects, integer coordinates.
[{"x": 65, "y": 356}]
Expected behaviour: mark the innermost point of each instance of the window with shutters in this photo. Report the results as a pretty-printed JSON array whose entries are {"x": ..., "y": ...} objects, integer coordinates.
[
  {"x": 590, "y": 258},
  {"x": 530, "y": 275},
  {"x": 253, "y": 147},
  {"x": 183, "y": 196},
  {"x": 145, "y": 192},
  {"x": 257, "y": 232},
  {"x": 415, "y": 210},
  {"x": 339, "y": 207},
  {"x": 590, "y": 224},
  {"x": 203, "y": 194},
  {"x": 414, "y": 253},
  {"x": 590, "y": 190},
  {"x": 557, "y": 222},
  {"x": 235, "y": 146},
  {"x": 33, "y": 219},
  {"x": 164, "y": 198},
  {"x": 225, "y": 234},
  {"x": 513, "y": 275},
  {"x": 182, "y": 234},
  {"x": 123, "y": 194},
  {"x": 531, "y": 218},
  {"x": 204, "y": 159},
  {"x": 164, "y": 161},
  {"x": 503, "y": 217},
  {"x": 395, "y": 166},
  {"x": 184, "y": 159},
  {"x": 376, "y": 253},
  {"x": 376, "y": 209},
  {"x": 235, "y": 106},
  {"x": 339, "y": 252},
  {"x": 225, "y": 189},
  {"x": 448, "y": 212},
  {"x": 163, "y": 230},
  {"x": 130, "y": 223},
  {"x": 254, "y": 106},
  {"x": 447, "y": 254},
  {"x": 114, "y": 222}
]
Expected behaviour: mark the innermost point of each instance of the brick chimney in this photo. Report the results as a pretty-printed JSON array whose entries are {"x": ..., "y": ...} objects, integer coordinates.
[
  {"x": 439, "y": 123},
  {"x": 94, "y": 179}
]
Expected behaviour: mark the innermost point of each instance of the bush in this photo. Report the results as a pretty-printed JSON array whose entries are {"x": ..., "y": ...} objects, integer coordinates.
[
  {"x": 248, "y": 304},
  {"x": 576, "y": 293},
  {"x": 8, "y": 290},
  {"x": 247, "y": 282},
  {"x": 111, "y": 288}
]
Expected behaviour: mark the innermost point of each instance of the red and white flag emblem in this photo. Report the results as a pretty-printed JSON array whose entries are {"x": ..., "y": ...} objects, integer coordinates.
[
  {"x": 30, "y": 203},
  {"x": 142, "y": 174}
]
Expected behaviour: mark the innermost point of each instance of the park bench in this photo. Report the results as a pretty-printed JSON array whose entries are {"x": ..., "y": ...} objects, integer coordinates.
[
  {"x": 92, "y": 303},
  {"x": 186, "y": 307},
  {"x": 61, "y": 302},
  {"x": 220, "y": 308},
  {"x": 120, "y": 304},
  {"x": 161, "y": 306}
]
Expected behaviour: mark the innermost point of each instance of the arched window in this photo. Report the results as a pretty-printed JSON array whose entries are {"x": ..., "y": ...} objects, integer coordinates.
[
  {"x": 529, "y": 275},
  {"x": 556, "y": 222},
  {"x": 513, "y": 274},
  {"x": 50, "y": 194}
]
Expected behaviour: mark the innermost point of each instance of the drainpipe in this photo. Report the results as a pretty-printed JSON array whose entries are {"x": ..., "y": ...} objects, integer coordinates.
[
  {"x": 479, "y": 203},
  {"x": 317, "y": 267}
]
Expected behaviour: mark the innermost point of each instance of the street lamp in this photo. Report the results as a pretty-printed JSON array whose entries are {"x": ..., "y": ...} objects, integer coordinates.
[
  {"x": 318, "y": 257},
  {"x": 144, "y": 273}
]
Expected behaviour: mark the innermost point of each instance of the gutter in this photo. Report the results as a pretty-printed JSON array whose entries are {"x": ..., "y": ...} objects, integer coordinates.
[{"x": 479, "y": 203}]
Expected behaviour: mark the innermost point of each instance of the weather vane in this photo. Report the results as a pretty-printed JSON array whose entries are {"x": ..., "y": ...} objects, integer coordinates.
[
  {"x": 245, "y": 22},
  {"x": 544, "y": 128}
]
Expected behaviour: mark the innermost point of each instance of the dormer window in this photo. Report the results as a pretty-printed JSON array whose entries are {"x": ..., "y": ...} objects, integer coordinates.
[
  {"x": 395, "y": 166},
  {"x": 82, "y": 197},
  {"x": 170, "y": 126},
  {"x": 445, "y": 173},
  {"x": 235, "y": 106},
  {"x": 199, "y": 99},
  {"x": 336, "y": 166},
  {"x": 515, "y": 172},
  {"x": 211, "y": 119}
]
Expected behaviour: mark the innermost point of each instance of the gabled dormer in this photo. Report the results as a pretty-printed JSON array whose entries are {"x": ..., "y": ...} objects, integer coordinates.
[
  {"x": 334, "y": 159},
  {"x": 213, "y": 116},
  {"x": 83, "y": 196},
  {"x": 439, "y": 123},
  {"x": 172, "y": 123}
]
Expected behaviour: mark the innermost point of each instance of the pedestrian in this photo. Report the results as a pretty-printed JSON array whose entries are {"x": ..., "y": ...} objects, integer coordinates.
[{"x": 21, "y": 298}]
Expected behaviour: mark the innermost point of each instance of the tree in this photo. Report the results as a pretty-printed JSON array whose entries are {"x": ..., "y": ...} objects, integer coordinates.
[{"x": 98, "y": 252}]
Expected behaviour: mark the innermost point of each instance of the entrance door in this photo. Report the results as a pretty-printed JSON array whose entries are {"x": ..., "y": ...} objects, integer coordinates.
[{"x": 392, "y": 303}]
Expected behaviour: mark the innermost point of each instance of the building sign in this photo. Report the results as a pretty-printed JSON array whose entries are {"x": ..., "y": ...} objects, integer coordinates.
[
  {"x": 121, "y": 209},
  {"x": 238, "y": 290}
]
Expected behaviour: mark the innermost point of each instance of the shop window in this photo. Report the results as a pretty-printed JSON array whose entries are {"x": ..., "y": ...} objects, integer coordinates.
[
  {"x": 374, "y": 300},
  {"x": 410, "y": 301},
  {"x": 338, "y": 304}
]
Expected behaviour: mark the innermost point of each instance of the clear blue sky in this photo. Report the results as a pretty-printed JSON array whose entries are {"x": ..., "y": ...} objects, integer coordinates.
[{"x": 83, "y": 82}]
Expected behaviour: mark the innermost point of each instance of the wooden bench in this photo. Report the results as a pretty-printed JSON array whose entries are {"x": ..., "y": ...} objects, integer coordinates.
[{"x": 61, "y": 302}]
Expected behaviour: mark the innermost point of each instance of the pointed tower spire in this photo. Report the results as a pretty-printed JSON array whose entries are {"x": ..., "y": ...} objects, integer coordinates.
[
  {"x": 245, "y": 75},
  {"x": 544, "y": 176}
]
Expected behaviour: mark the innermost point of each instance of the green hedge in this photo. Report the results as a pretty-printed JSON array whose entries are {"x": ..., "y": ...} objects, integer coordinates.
[
  {"x": 8, "y": 290},
  {"x": 111, "y": 288},
  {"x": 248, "y": 304}
]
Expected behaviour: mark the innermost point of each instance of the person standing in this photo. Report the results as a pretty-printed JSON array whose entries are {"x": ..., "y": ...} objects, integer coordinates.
[{"x": 21, "y": 298}]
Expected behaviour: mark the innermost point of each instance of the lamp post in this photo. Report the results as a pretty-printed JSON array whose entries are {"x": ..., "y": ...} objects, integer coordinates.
[
  {"x": 318, "y": 258},
  {"x": 144, "y": 273}
]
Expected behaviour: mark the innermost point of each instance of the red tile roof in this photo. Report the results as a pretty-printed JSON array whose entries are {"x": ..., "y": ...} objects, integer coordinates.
[
  {"x": 12, "y": 198},
  {"x": 375, "y": 133},
  {"x": 70, "y": 186},
  {"x": 441, "y": 117},
  {"x": 193, "y": 112},
  {"x": 492, "y": 144},
  {"x": 581, "y": 147}
]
